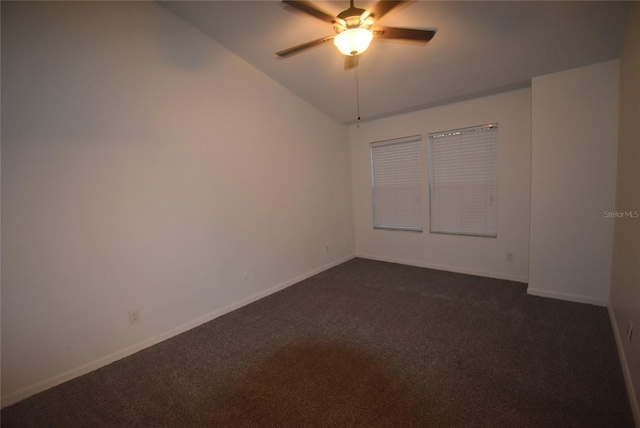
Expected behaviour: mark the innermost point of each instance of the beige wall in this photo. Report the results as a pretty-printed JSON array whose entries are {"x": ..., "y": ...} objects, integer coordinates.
[
  {"x": 467, "y": 254},
  {"x": 575, "y": 134},
  {"x": 624, "y": 299},
  {"x": 146, "y": 167}
]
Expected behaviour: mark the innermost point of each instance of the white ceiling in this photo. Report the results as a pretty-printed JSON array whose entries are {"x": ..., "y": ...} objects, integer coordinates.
[{"x": 479, "y": 48}]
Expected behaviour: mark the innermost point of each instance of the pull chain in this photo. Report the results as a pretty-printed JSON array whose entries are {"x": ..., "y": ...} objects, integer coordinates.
[{"x": 357, "y": 91}]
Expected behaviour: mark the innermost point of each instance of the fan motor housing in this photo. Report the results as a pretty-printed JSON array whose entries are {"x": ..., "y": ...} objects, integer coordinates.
[{"x": 352, "y": 17}]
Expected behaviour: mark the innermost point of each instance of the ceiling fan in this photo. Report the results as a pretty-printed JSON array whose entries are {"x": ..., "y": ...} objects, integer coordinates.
[{"x": 355, "y": 29}]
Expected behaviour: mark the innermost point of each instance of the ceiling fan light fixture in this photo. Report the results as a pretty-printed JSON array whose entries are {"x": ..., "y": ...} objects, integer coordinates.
[{"x": 353, "y": 41}]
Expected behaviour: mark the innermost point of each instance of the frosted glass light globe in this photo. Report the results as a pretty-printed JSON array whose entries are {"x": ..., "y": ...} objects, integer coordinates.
[{"x": 354, "y": 41}]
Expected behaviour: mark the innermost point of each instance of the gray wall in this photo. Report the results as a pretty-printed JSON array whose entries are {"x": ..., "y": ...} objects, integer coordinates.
[{"x": 624, "y": 300}]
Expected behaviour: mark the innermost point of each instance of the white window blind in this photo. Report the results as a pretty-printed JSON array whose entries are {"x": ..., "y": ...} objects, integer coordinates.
[
  {"x": 463, "y": 181},
  {"x": 397, "y": 188}
]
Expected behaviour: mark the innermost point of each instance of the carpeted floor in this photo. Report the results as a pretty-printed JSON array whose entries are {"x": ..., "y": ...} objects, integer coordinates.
[{"x": 365, "y": 344}]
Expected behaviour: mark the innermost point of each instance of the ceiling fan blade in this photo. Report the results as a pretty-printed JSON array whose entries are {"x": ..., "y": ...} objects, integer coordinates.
[
  {"x": 403, "y": 34},
  {"x": 311, "y": 9},
  {"x": 383, "y": 7},
  {"x": 350, "y": 62},
  {"x": 298, "y": 48}
]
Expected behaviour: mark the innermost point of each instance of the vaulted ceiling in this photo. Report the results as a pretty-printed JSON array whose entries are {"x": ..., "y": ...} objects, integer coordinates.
[{"x": 479, "y": 48}]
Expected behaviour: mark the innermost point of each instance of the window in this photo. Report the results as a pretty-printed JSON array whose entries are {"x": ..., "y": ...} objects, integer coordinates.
[
  {"x": 397, "y": 189},
  {"x": 463, "y": 182}
]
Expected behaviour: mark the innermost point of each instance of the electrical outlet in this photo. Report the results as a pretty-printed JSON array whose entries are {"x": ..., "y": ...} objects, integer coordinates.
[
  {"x": 245, "y": 276},
  {"x": 509, "y": 257},
  {"x": 134, "y": 316},
  {"x": 630, "y": 331},
  {"x": 327, "y": 249}
]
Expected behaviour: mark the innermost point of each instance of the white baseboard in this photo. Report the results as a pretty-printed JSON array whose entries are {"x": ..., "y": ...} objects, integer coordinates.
[
  {"x": 496, "y": 275},
  {"x": 633, "y": 400},
  {"x": 30, "y": 390},
  {"x": 566, "y": 296}
]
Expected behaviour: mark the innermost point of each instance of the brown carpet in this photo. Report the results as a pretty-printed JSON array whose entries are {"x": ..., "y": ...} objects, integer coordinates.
[{"x": 365, "y": 344}]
